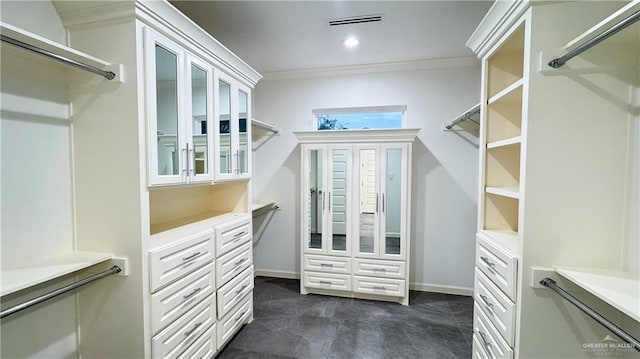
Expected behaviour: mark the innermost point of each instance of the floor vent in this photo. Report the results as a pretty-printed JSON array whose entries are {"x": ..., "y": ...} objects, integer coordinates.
[{"x": 355, "y": 20}]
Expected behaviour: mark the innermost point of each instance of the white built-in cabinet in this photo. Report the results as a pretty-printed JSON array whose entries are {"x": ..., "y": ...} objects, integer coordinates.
[
  {"x": 355, "y": 213},
  {"x": 558, "y": 186},
  {"x": 145, "y": 151}
]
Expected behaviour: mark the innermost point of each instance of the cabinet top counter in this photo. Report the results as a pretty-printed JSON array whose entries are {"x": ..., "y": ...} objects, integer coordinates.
[{"x": 339, "y": 136}]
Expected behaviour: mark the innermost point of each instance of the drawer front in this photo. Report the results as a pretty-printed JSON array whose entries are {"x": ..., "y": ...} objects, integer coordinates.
[
  {"x": 203, "y": 347},
  {"x": 499, "y": 265},
  {"x": 231, "y": 293},
  {"x": 231, "y": 235},
  {"x": 233, "y": 263},
  {"x": 179, "y": 335},
  {"x": 327, "y": 281},
  {"x": 171, "y": 262},
  {"x": 500, "y": 310},
  {"x": 327, "y": 264},
  {"x": 177, "y": 298},
  {"x": 488, "y": 337},
  {"x": 230, "y": 323},
  {"x": 379, "y": 268},
  {"x": 379, "y": 286},
  {"x": 477, "y": 349}
]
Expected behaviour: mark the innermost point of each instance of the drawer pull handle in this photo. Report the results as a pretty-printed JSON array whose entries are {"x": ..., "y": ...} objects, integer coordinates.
[
  {"x": 325, "y": 282},
  {"x": 379, "y": 270},
  {"x": 185, "y": 297},
  {"x": 240, "y": 316},
  {"x": 379, "y": 287},
  {"x": 191, "y": 256},
  {"x": 239, "y": 262},
  {"x": 189, "y": 332},
  {"x": 489, "y": 263},
  {"x": 326, "y": 265},
  {"x": 238, "y": 235},
  {"x": 484, "y": 339},
  {"x": 486, "y": 301},
  {"x": 241, "y": 289}
]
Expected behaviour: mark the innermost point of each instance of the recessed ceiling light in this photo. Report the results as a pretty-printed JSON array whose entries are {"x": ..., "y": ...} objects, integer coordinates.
[{"x": 351, "y": 41}]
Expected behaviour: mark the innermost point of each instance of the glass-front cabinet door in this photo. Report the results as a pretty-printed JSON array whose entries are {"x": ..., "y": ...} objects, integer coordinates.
[
  {"x": 224, "y": 126},
  {"x": 233, "y": 129},
  {"x": 165, "y": 84},
  {"x": 327, "y": 199},
  {"x": 381, "y": 201},
  {"x": 200, "y": 145}
]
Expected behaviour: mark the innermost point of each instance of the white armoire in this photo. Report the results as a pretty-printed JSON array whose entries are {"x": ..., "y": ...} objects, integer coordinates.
[{"x": 355, "y": 213}]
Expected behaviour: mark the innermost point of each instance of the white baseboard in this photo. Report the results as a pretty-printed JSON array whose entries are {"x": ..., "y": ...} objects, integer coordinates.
[
  {"x": 276, "y": 274},
  {"x": 421, "y": 287},
  {"x": 446, "y": 289}
]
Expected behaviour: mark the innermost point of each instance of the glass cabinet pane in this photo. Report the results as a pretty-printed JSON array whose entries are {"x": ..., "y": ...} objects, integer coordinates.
[
  {"x": 368, "y": 200},
  {"x": 339, "y": 195},
  {"x": 391, "y": 200},
  {"x": 243, "y": 139},
  {"x": 199, "y": 121},
  {"x": 315, "y": 209},
  {"x": 167, "y": 111},
  {"x": 225, "y": 124}
]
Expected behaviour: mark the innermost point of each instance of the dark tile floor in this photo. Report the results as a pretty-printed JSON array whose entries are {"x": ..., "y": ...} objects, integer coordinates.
[{"x": 290, "y": 325}]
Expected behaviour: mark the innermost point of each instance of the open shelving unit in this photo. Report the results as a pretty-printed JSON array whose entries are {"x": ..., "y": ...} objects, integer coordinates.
[{"x": 501, "y": 143}]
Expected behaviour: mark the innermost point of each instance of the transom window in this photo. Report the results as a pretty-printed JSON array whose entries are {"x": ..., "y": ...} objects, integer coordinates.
[{"x": 359, "y": 118}]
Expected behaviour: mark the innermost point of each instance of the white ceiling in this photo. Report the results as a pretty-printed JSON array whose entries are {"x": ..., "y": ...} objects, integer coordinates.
[{"x": 293, "y": 35}]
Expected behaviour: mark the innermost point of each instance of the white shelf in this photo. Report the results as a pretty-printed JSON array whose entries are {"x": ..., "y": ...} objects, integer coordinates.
[
  {"x": 621, "y": 290},
  {"x": 261, "y": 208},
  {"x": 472, "y": 114},
  {"x": 506, "y": 142},
  {"x": 511, "y": 192},
  {"x": 265, "y": 126},
  {"x": 510, "y": 90},
  {"x": 15, "y": 279},
  {"x": 58, "y": 49},
  {"x": 505, "y": 238}
]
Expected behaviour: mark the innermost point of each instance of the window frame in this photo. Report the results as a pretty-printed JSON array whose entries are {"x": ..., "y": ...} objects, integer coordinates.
[{"x": 365, "y": 109}]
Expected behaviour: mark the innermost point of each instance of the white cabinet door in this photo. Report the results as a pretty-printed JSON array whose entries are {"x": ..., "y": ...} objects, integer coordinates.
[
  {"x": 165, "y": 80},
  {"x": 232, "y": 129},
  {"x": 381, "y": 203},
  {"x": 327, "y": 172},
  {"x": 179, "y": 113}
]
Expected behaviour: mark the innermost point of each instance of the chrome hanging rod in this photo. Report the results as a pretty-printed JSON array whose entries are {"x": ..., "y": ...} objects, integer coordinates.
[
  {"x": 551, "y": 284},
  {"x": 57, "y": 292},
  {"x": 106, "y": 74},
  {"x": 558, "y": 62},
  {"x": 465, "y": 116}
]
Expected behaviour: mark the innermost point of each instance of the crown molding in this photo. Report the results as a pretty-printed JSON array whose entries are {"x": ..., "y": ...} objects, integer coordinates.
[
  {"x": 359, "y": 136},
  {"x": 425, "y": 64},
  {"x": 500, "y": 17}
]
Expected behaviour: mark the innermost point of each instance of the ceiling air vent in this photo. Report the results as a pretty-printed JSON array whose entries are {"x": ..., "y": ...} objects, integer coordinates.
[{"x": 355, "y": 20}]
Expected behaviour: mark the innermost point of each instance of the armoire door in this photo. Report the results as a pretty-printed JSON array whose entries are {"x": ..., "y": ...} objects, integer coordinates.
[
  {"x": 381, "y": 200},
  {"x": 199, "y": 120},
  {"x": 327, "y": 199}
]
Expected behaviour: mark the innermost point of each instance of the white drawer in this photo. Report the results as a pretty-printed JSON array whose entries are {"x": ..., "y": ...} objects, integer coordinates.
[
  {"x": 230, "y": 323},
  {"x": 379, "y": 268},
  {"x": 179, "y": 335},
  {"x": 232, "y": 234},
  {"x": 499, "y": 265},
  {"x": 327, "y": 281},
  {"x": 174, "y": 300},
  {"x": 379, "y": 286},
  {"x": 232, "y": 292},
  {"x": 179, "y": 258},
  {"x": 500, "y": 310},
  {"x": 488, "y": 337},
  {"x": 232, "y": 263},
  {"x": 477, "y": 349},
  {"x": 327, "y": 264},
  {"x": 204, "y": 347}
]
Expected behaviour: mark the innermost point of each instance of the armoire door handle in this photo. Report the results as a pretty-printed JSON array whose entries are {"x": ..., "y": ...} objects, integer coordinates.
[{"x": 383, "y": 203}]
